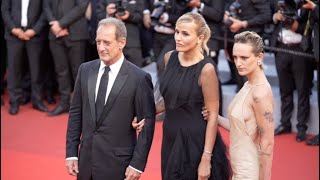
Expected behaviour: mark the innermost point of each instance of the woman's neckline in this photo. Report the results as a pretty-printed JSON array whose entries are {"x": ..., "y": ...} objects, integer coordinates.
[
  {"x": 252, "y": 85},
  {"x": 189, "y": 65}
]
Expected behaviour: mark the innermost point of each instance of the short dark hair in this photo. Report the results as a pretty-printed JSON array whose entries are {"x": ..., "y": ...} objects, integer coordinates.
[{"x": 121, "y": 30}]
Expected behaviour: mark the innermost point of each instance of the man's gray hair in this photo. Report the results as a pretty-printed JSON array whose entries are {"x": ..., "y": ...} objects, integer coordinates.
[{"x": 121, "y": 30}]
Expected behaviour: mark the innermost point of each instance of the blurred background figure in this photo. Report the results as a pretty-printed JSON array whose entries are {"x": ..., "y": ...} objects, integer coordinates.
[
  {"x": 294, "y": 72},
  {"x": 68, "y": 35},
  {"x": 3, "y": 56},
  {"x": 314, "y": 21},
  {"x": 244, "y": 15},
  {"x": 92, "y": 19},
  {"x": 24, "y": 23}
]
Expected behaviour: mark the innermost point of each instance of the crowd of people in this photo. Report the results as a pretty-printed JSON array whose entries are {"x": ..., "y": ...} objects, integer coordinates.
[{"x": 89, "y": 53}]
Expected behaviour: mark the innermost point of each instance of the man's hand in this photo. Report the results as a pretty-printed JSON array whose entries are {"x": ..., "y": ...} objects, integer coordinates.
[
  {"x": 138, "y": 126},
  {"x": 30, "y": 33},
  {"x": 132, "y": 174},
  {"x": 124, "y": 17},
  {"x": 63, "y": 32},
  {"x": 111, "y": 9},
  {"x": 226, "y": 16},
  {"x": 72, "y": 167},
  {"x": 147, "y": 20},
  {"x": 237, "y": 24},
  {"x": 194, "y": 3},
  {"x": 19, "y": 33},
  {"x": 309, "y": 5},
  {"x": 278, "y": 16},
  {"x": 55, "y": 27}
]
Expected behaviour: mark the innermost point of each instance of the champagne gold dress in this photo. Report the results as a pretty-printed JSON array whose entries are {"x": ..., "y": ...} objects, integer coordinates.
[{"x": 244, "y": 150}]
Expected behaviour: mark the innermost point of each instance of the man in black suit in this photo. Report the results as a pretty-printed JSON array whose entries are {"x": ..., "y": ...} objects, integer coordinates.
[
  {"x": 68, "y": 36},
  {"x": 109, "y": 92},
  {"x": 24, "y": 24}
]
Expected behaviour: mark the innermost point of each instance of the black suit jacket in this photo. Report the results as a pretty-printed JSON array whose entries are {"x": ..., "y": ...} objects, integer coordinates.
[
  {"x": 109, "y": 145},
  {"x": 135, "y": 8},
  {"x": 70, "y": 14},
  {"x": 11, "y": 13}
]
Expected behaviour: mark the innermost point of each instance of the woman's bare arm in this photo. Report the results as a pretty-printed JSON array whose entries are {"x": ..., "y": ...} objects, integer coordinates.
[
  {"x": 209, "y": 84},
  {"x": 263, "y": 106},
  {"x": 224, "y": 122}
]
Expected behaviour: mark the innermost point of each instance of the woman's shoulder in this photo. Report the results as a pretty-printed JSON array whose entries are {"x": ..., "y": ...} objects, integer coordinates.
[
  {"x": 168, "y": 56},
  {"x": 208, "y": 65},
  {"x": 262, "y": 91}
]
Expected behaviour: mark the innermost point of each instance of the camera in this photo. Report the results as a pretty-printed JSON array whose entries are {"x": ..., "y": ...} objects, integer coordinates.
[
  {"x": 160, "y": 8},
  {"x": 235, "y": 11},
  {"x": 183, "y": 3},
  {"x": 289, "y": 10},
  {"x": 120, "y": 7}
]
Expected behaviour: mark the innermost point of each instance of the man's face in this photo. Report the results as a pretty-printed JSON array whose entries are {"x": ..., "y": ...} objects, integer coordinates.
[{"x": 108, "y": 47}]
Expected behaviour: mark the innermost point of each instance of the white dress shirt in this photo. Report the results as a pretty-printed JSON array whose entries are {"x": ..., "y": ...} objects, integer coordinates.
[
  {"x": 24, "y": 13},
  {"x": 114, "y": 70}
]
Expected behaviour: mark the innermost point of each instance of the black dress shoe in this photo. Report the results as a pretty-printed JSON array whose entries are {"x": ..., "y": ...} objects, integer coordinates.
[
  {"x": 50, "y": 99},
  {"x": 301, "y": 136},
  {"x": 39, "y": 106},
  {"x": 25, "y": 99},
  {"x": 14, "y": 108},
  {"x": 59, "y": 110},
  {"x": 282, "y": 130},
  {"x": 313, "y": 141},
  {"x": 229, "y": 82}
]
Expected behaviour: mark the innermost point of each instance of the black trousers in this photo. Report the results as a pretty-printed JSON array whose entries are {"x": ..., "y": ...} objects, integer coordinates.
[
  {"x": 67, "y": 57},
  {"x": 294, "y": 72},
  {"x": 16, "y": 60}
]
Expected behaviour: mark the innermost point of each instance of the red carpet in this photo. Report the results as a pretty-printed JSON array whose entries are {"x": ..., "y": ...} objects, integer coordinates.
[{"x": 33, "y": 148}]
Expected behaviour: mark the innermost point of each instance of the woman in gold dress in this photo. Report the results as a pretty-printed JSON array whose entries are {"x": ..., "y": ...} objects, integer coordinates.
[{"x": 250, "y": 114}]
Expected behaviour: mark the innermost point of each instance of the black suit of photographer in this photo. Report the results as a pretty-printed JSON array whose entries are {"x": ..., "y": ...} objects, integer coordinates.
[
  {"x": 294, "y": 72},
  {"x": 256, "y": 13}
]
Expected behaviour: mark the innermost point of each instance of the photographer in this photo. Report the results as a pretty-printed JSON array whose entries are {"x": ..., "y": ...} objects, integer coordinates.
[
  {"x": 244, "y": 15},
  {"x": 131, "y": 13},
  {"x": 315, "y": 26},
  {"x": 294, "y": 72}
]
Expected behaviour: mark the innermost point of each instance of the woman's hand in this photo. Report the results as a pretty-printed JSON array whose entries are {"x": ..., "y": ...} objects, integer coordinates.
[
  {"x": 205, "y": 113},
  {"x": 138, "y": 125},
  {"x": 204, "y": 169}
]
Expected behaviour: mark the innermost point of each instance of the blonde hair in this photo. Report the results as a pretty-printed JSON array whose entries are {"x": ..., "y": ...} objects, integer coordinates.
[{"x": 202, "y": 27}]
